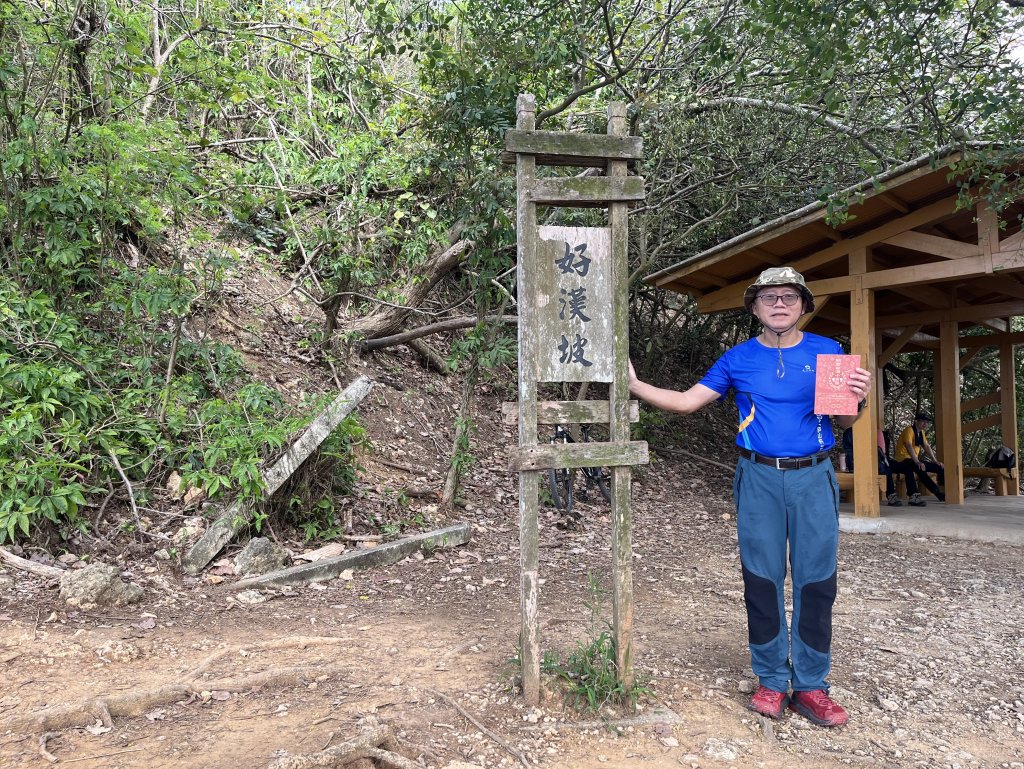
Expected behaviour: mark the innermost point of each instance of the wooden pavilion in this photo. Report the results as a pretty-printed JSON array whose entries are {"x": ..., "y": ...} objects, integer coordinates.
[{"x": 909, "y": 270}]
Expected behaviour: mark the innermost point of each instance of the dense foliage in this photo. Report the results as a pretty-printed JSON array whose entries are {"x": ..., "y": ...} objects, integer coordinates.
[{"x": 358, "y": 146}]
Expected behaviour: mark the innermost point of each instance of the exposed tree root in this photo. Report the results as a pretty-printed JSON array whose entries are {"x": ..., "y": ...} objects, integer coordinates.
[
  {"x": 85, "y": 712},
  {"x": 376, "y": 746},
  {"x": 42, "y": 747},
  {"x": 301, "y": 642},
  {"x": 39, "y": 569},
  {"x": 514, "y": 752}
]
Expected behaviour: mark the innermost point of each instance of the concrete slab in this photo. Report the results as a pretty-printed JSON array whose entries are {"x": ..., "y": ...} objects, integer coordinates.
[{"x": 981, "y": 518}]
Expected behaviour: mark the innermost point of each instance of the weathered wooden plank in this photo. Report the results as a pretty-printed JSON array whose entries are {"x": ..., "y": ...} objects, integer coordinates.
[
  {"x": 382, "y": 555},
  {"x": 586, "y": 191},
  {"x": 547, "y": 456},
  {"x": 569, "y": 412},
  {"x": 570, "y": 145},
  {"x": 621, "y": 515},
  {"x": 529, "y": 525},
  {"x": 237, "y": 515},
  {"x": 569, "y": 317}
]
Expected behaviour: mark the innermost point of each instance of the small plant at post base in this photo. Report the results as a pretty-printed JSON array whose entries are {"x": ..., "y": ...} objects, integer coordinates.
[{"x": 590, "y": 674}]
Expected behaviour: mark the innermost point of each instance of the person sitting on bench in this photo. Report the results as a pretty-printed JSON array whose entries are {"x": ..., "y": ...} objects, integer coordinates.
[
  {"x": 883, "y": 465},
  {"x": 910, "y": 447}
]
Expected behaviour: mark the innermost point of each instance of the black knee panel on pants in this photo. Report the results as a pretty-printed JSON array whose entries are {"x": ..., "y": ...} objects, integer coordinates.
[
  {"x": 816, "y": 599},
  {"x": 762, "y": 599}
]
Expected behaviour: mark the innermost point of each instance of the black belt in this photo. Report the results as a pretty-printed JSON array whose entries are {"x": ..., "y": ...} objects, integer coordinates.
[{"x": 785, "y": 463}]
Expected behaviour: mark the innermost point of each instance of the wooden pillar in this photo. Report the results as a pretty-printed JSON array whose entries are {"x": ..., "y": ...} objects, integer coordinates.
[
  {"x": 879, "y": 385},
  {"x": 937, "y": 369},
  {"x": 526, "y": 236},
  {"x": 948, "y": 433},
  {"x": 862, "y": 343},
  {"x": 988, "y": 228},
  {"x": 1008, "y": 402},
  {"x": 622, "y": 525}
]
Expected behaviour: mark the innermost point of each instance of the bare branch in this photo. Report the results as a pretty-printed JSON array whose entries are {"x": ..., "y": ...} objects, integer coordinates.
[
  {"x": 787, "y": 109},
  {"x": 452, "y": 324}
]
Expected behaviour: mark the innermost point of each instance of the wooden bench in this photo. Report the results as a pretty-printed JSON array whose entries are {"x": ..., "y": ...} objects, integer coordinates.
[
  {"x": 1001, "y": 475},
  {"x": 846, "y": 483}
]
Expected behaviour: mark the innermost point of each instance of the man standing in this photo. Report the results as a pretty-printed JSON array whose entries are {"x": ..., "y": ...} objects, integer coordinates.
[
  {"x": 911, "y": 446},
  {"x": 785, "y": 489}
]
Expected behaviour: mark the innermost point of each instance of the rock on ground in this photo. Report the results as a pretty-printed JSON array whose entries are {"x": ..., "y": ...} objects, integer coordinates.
[
  {"x": 98, "y": 584},
  {"x": 260, "y": 556}
]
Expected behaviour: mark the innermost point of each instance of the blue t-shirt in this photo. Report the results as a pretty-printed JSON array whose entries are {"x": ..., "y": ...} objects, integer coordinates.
[{"x": 777, "y": 416}]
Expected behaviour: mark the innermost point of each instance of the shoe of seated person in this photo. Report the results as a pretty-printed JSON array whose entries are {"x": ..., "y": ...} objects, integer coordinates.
[
  {"x": 894, "y": 501},
  {"x": 769, "y": 702},
  {"x": 817, "y": 707},
  {"x": 916, "y": 501}
]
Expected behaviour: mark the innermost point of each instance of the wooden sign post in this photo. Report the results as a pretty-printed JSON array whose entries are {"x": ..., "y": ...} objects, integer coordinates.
[{"x": 573, "y": 327}]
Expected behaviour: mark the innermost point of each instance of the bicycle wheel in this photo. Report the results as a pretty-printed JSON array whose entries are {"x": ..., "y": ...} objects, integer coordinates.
[
  {"x": 603, "y": 480},
  {"x": 560, "y": 485}
]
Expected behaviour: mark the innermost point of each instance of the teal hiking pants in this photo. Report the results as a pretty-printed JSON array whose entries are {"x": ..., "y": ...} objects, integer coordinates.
[{"x": 798, "y": 509}]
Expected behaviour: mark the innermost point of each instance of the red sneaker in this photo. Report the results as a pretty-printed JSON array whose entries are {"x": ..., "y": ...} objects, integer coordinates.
[
  {"x": 818, "y": 707},
  {"x": 769, "y": 702}
]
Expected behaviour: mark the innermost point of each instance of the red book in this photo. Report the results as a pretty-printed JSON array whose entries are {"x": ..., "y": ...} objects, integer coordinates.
[{"x": 832, "y": 394}]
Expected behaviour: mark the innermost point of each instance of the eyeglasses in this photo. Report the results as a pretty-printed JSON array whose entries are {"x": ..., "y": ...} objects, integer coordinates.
[{"x": 769, "y": 300}]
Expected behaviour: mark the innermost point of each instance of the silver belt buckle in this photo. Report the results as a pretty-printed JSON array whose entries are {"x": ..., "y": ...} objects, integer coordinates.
[{"x": 777, "y": 461}]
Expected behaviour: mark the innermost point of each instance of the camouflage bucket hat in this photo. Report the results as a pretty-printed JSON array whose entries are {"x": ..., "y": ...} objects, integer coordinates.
[{"x": 779, "y": 276}]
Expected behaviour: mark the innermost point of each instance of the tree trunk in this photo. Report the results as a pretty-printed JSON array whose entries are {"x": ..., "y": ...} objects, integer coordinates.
[{"x": 390, "y": 319}]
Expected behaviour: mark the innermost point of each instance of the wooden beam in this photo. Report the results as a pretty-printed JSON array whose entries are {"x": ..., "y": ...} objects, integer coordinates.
[
  {"x": 935, "y": 297},
  {"x": 605, "y": 454},
  {"x": 968, "y": 356},
  {"x": 587, "y": 149},
  {"x": 1006, "y": 284},
  {"x": 998, "y": 325},
  {"x": 1013, "y": 242},
  {"x": 732, "y": 297},
  {"x": 988, "y": 228},
  {"x": 992, "y": 420},
  {"x": 894, "y": 202},
  {"x": 989, "y": 399},
  {"x": 823, "y": 229},
  {"x": 766, "y": 256},
  {"x": 958, "y": 269},
  {"x": 949, "y": 401},
  {"x": 586, "y": 191},
  {"x": 568, "y": 412},
  {"x": 897, "y": 344},
  {"x": 979, "y": 313},
  {"x": 932, "y": 244},
  {"x": 992, "y": 340}
]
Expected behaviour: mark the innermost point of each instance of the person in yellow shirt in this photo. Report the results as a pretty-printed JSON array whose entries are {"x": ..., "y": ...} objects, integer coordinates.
[{"x": 910, "y": 448}]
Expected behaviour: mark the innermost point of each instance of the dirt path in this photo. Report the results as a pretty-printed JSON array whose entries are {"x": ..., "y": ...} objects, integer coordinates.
[{"x": 928, "y": 653}]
